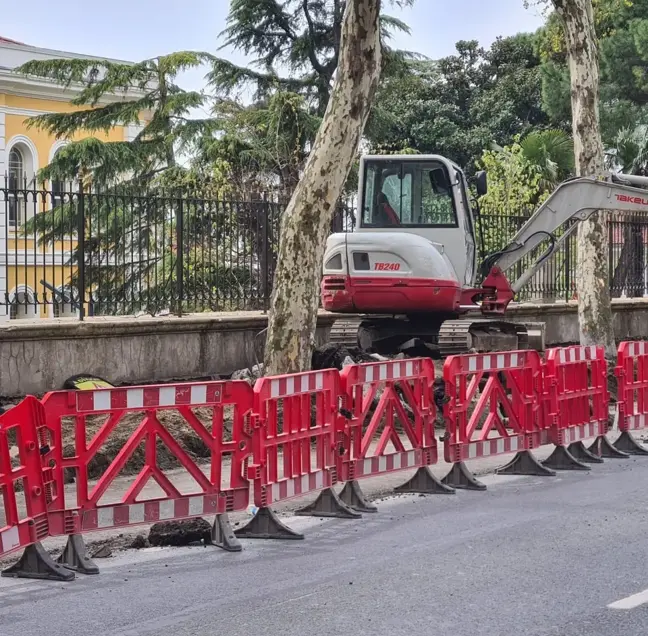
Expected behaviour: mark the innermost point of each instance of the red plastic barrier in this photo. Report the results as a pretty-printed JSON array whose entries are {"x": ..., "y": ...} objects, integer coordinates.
[
  {"x": 575, "y": 380},
  {"x": 20, "y": 528},
  {"x": 632, "y": 392},
  {"x": 360, "y": 454},
  {"x": 294, "y": 441},
  {"x": 504, "y": 418},
  {"x": 74, "y": 408}
]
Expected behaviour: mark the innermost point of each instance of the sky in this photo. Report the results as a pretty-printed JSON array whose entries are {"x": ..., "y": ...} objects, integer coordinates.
[{"x": 138, "y": 29}]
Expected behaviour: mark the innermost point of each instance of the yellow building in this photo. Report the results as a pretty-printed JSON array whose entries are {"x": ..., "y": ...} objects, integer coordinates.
[{"x": 28, "y": 270}]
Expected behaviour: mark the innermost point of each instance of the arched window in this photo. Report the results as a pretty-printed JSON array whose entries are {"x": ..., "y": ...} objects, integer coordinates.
[
  {"x": 58, "y": 188},
  {"x": 16, "y": 193},
  {"x": 16, "y": 169},
  {"x": 22, "y": 306},
  {"x": 58, "y": 193}
]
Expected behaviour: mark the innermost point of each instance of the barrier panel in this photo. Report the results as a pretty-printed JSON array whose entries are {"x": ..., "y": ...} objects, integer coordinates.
[
  {"x": 21, "y": 478},
  {"x": 294, "y": 437},
  {"x": 150, "y": 411},
  {"x": 632, "y": 395},
  {"x": 105, "y": 458},
  {"x": 576, "y": 401},
  {"x": 389, "y": 426},
  {"x": 494, "y": 408}
]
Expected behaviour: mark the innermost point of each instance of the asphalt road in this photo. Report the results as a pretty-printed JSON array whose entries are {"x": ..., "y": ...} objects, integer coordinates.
[{"x": 539, "y": 557}]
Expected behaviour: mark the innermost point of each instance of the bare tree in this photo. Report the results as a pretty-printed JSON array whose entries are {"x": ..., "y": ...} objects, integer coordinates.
[
  {"x": 307, "y": 219},
  {"x": 594, "y": 307}
]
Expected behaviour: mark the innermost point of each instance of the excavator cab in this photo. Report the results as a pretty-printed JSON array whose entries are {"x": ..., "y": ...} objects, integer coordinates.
[
  {"x": 414, "y": 195},
  {"x": 406, "y": 194}
]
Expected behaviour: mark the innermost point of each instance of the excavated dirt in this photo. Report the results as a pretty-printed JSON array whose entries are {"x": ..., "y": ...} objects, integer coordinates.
[
  {"x": 171, "y": 420},
  {"x": 613, "y": 383}
]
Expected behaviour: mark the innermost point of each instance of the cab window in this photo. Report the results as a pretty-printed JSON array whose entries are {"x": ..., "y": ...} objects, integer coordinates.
[{"x": 407, "y": 194}]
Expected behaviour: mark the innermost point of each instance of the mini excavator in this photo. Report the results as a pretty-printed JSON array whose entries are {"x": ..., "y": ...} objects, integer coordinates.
[{"x": 410, "y": 269}]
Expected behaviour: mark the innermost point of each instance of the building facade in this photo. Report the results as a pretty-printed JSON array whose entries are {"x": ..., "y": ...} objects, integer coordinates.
[{"x": 30, "y": 270}]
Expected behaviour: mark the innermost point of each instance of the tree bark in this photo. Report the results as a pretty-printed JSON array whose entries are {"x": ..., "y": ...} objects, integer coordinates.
[
  {"x": 307, "y": 220},
  {"x": 592, "y": 282}
]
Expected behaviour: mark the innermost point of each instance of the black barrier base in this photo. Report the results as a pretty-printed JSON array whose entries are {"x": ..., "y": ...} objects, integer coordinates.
[
  {"x": 36, "y": 563},
  {"x": 426, "y": 483},
  {"x": 460, "y": 477},
  {"x": 353, "y": 497},
  {"x": 222, "y": 534},
  {"x": 525, "y": 463},
  {"x": 628, "y": 444},
  {"x": 329, "y": 504},
  {"x": 562, "y": 459},
  {"x": 578, "y": 451},
  {"x": 602, "y": 448},
  {"x": 266, "y": 525},
  {"x": 75, "y": 556}
]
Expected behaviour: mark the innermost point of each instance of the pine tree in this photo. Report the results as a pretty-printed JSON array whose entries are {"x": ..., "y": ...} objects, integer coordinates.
[
  {"x": 301, "y": 37},
  {"x": 122, "y": 94}
]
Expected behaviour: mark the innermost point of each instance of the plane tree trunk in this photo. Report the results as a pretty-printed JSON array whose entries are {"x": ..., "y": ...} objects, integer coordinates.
[
  {"x": 307, "y": 220},
  {"x": 592, "y": 282}
]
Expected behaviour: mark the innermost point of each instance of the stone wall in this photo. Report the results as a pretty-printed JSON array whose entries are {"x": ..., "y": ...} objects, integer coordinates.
[
  {"x": 37, "y": 356},
  {"x": 561, "y": 319}
]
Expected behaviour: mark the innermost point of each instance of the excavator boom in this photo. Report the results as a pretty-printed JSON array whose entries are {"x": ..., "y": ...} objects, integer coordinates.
[{"x": 574, "y": 200}]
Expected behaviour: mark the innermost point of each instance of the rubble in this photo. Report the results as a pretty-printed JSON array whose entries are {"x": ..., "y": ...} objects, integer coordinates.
[
  {"x": 251, "y": 375},
  {"x": 180, "y": 533},
  {"x": 335, "y": 356}
]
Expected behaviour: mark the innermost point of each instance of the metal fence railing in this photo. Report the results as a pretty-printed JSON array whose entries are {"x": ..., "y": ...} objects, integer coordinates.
[
  {"x": 556, "y": 280},
  {"x": 143, "y": 253},
  {"x": 134, "y": 253}
]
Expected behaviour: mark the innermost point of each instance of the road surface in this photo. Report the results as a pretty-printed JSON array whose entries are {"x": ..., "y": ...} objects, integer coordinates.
[{"x": 562, "y": 556}]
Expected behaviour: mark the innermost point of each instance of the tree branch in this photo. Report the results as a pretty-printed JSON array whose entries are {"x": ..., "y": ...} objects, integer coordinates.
[{"x": 319, "y": 69}]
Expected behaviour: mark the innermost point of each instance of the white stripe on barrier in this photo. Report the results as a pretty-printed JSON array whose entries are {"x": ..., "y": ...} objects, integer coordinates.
[
  {"x": 637, "y": 348},
  {"x": 578, "y": 433},
  {"x": 167, "y": 396},
  {"x": 105, "y": 518},
  {"x": 135, "y": 398},
  {"x": 386, "y": 463},
  {"x": 9, "y": 539},
  {"x": 136, "y": 513},
  {"x": 198, "y": 394},
  {"x": 102, "y": 400},
  {"x": 196, "y": 506},
  {"x": 636, "y": 422},
  {"x": 167, "y": 510}
]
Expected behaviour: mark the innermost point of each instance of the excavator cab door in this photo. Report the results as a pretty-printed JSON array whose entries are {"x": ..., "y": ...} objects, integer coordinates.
[{"x": 422, "y": 195}]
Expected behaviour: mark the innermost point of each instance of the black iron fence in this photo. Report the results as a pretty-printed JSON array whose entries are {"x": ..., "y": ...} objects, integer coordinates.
[
  {"x": 154, "y": 253},
  {"x": 556, "y": 280},
  {"x": 136, "y": 253}
]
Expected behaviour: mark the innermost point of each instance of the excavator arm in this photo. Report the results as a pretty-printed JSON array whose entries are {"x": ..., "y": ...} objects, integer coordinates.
[{"x": 576, "y": 200}]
